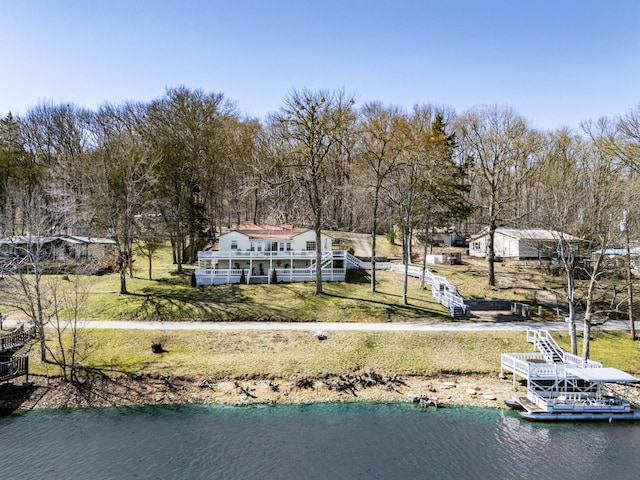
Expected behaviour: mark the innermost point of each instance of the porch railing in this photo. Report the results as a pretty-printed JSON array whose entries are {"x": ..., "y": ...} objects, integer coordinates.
[{"x": 214, "y": 254}]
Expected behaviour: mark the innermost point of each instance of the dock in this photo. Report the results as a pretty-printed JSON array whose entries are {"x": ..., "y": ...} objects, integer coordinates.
[{"x": 565, "y": 387}]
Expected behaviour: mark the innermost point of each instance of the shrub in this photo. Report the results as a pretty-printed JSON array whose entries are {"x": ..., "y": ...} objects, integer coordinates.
[{"x": 391, "y": 236}]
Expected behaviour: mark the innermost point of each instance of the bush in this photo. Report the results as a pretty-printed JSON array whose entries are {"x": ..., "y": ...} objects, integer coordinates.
[{"x": 391, "y": 236}]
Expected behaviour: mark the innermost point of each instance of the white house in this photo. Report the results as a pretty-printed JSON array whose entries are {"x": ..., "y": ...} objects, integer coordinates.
[
  {"x": 512, "y": 244},
  {"x": 258, "y": 251}
]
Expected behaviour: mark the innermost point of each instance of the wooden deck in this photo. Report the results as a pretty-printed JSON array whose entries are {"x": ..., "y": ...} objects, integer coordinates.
[{"x": 17, "y": 364}]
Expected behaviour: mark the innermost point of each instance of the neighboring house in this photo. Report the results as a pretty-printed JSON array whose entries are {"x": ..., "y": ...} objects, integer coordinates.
[
  {"x": 57, "y": 248},
  {"x": 619, "y": 256},
  {"x": 444, "y": 238},
  {"x": 257, "y": 251},
  {"x": 511, "y": 244}
]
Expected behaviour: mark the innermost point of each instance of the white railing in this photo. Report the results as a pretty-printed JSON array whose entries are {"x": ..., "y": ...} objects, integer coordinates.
[
  {"x": 214, "y": 254},
  {"x": 561, "y": 401},
  {"x": 304, "y": 275},
  {"x": 445, "y": 293},
  {"x": 529, "y": 365},
  {"x": 535, "y": 336}
]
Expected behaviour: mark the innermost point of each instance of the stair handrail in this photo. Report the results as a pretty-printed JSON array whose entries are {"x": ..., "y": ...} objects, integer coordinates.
[{"x": 548, "y": 337}]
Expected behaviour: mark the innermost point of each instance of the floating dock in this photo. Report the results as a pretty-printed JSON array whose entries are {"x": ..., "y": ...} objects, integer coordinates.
[{"x": 565, "y": 387}]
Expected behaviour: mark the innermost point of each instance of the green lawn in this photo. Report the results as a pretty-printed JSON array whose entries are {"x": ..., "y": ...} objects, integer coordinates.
[
  {"x": 243, "y": 354},
  {"x": 169, "y": 296}
]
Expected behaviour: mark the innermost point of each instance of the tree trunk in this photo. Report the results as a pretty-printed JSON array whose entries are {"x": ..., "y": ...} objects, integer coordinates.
[
  {"x": 424, "y": 264},
  {"x": 405, "y": 248},
  {"x": 491, "y": 255},
  {"x": 632, "y": 326},
  {"x": 373, "y": 240},
  {"x": 572, "y": 312},
  {"x": 318, "y": 261}
]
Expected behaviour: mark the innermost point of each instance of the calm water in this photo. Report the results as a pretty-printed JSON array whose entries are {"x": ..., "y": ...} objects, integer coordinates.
[{"x": 310, "y": 442}]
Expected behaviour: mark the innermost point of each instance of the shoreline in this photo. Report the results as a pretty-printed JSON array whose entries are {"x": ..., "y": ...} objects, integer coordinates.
[{"x": 464, "y": 390}]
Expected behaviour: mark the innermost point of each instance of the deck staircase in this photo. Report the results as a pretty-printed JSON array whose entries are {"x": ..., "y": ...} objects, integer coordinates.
[
  {"x": 325, "y": 261},
  {"x": 544, "y": 343},
  {"x": 459, "y": 313},
  {"x": 549, "y": 351}
]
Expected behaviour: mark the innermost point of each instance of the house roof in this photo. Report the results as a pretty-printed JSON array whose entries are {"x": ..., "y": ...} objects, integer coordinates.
[
  {"x": 539, "y": 234},
  {"x": 25, "y": 239},
  {"x": 74, "y": 239},
  {"x": 615, "y": 252},
  {"x": 268, "y": 232}
]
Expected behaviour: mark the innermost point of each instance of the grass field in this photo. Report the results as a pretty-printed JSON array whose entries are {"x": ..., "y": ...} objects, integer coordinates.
[
  {"x": 169, "y": 296},
  {"x": 241, "y": 354}
]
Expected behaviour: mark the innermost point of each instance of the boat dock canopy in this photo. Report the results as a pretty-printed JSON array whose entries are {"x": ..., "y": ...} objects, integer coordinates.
[{"x": 604, "y": 374}]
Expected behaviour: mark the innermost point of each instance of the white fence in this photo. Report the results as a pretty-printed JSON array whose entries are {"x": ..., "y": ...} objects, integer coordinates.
[{"x": 441, "y": 289}]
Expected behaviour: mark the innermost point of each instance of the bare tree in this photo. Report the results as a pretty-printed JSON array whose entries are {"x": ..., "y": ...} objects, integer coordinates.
[
  {"x": 68, "y": 298},
  {"x": 502, "y": 148},
  {"x": 627, "y": 138},
  {"x": 28, "y": 282},
  {"x": 188, "y": 133},
  {"x": 606, "y": 174},
  {"x": 562, "y": 209},
  {"x": 383, "y": 133},
  {"x": 123, "y": 177},
  {"x": 313, "y": 125}
]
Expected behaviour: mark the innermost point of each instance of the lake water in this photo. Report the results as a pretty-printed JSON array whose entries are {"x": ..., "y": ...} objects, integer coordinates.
[{"x": 325, "y": 441}]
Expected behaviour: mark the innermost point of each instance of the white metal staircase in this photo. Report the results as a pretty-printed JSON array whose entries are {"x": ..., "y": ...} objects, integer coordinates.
[{"x": 546, "y": 344}]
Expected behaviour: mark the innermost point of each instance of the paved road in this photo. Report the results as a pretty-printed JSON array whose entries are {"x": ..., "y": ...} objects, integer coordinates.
[{"x": 611, "y": 325}]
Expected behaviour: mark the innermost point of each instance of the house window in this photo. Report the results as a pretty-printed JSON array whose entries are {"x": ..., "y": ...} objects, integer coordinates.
[
  {"x": 311, "y": 246},
  {"x": 234, "y": 244},
  {"x": 284, "y": 246}
]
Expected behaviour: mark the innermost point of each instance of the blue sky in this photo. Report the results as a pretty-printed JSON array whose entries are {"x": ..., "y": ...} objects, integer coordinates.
[{"x": 556, "y": 62}]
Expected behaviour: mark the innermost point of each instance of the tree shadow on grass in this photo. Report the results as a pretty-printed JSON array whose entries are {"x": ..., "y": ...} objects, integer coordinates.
[
  {"x": 215, "y": 303},
  {"x": 392, "y": 308}
]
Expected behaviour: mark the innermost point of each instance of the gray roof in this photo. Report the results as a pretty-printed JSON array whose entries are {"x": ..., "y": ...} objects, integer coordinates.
[
  {"x": 539, "y": 234},
  {"x": 31, "y": 239},
  {"x": 604, "y": 374}
]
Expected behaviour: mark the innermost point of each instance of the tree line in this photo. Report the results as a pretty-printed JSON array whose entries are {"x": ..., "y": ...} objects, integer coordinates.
[{"x": 186, "y": 165}]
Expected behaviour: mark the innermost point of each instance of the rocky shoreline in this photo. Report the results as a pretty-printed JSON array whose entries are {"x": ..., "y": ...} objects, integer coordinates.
[{"x": 102, "y": 390}]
